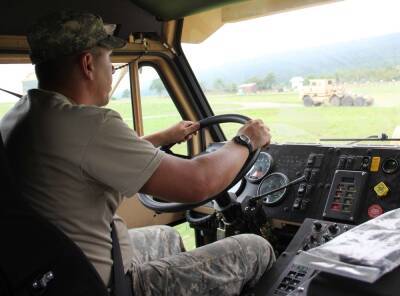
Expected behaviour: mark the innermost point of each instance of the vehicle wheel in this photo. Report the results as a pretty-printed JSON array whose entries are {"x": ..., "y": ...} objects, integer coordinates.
[
  {"x": 347, "y": 101},
  {"x": 360, "y": 101},
  {"x": 335, "y": 100},
  {"x": 308, "y": 101},
  {"x": 369, "y": 101}
]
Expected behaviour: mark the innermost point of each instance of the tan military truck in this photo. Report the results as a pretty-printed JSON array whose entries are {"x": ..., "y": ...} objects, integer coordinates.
[{"x": 328, "y": 92}]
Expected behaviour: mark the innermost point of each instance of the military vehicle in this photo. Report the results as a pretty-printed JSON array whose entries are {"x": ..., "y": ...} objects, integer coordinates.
[
  {"x": 300, "y": 192},
  {"x": 327, "y": 92}
]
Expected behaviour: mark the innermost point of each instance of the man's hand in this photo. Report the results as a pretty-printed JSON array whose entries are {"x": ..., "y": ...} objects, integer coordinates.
[
  {"x": 182, "y": 131},
  {"x": 258, "y": 133},
  {"x": 177, "y": 133}
]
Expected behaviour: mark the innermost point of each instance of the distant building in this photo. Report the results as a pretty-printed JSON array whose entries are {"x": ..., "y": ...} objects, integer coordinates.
[
  {"x": 29, "y": 82},
  {"x": 297, "y": 82},
  {"x": 247, "y": 88}
]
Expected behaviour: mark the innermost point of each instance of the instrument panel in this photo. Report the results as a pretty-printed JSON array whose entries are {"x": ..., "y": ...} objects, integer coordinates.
[{"x": 350, "y": 184}]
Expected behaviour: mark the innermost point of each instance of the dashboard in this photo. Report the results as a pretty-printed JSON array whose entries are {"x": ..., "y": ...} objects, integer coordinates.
[
  {"x": 348, "y": 184},
  {"x": 341, "y": 187}
]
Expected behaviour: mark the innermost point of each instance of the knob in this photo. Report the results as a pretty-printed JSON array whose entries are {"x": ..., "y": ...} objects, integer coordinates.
[
  {"x": 333, "y": 228},
  {"x": 317, "y": 226}
]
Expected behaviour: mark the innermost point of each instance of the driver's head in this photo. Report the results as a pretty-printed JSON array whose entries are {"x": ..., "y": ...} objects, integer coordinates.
[
  {"x": 66, "y": 33},
  {"x": 70, "y": 47}
]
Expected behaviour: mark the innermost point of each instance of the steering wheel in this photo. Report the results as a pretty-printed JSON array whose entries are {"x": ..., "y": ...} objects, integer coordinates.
[{"x": 169, "y": 207}]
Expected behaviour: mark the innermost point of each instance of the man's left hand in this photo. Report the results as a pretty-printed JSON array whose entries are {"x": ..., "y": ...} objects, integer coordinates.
[{"x": 182, "y": 131}]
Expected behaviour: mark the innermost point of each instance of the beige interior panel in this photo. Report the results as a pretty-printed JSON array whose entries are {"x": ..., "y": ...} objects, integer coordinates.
[
  {"x": 137, "y": 215},
  {"x": 199, "y": 27},
  {"x": 258, "y": 8}
]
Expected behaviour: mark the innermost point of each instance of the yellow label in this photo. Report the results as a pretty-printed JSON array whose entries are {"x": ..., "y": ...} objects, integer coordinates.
[
  {"x": 381, "y": 189},
  {"x": 376, "y": 160}
]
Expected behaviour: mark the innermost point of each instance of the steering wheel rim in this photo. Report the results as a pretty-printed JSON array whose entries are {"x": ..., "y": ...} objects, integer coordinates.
[{"x": 170, "y": 207}]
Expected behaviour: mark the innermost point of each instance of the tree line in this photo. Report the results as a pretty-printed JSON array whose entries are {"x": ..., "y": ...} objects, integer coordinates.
[{"x": 270, "y": 81}]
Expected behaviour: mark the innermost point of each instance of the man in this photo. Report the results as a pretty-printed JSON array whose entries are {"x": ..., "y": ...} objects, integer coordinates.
[{"x": 76, "y": 161}]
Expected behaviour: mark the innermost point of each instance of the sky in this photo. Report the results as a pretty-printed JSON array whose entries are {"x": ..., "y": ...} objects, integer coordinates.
[{"x": 311, "y": 27}]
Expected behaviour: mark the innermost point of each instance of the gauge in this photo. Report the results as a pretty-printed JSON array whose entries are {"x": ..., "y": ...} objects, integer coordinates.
[
  {"x": 260, "y": 168},
  {"x": 271, "y": 182}
]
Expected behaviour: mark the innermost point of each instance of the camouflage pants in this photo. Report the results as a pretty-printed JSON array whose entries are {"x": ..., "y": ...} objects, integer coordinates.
[{"x": 161, "y": 267}]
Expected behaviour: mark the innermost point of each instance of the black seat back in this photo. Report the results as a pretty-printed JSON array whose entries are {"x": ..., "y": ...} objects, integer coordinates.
[{"x": 36, "y": 258}]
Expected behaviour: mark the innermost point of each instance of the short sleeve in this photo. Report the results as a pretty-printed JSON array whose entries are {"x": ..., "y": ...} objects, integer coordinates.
[{"x": 117, "y": 157}]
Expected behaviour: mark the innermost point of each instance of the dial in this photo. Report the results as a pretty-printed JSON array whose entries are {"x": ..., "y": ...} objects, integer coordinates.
[
  {"x": 390, "y": 166},
  {"x": 271, "y": 182},
  {"x": 260, "y": 168}
]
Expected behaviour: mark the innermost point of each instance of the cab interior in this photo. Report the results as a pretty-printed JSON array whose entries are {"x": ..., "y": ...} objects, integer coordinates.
[{"x": 334, "y": 189}]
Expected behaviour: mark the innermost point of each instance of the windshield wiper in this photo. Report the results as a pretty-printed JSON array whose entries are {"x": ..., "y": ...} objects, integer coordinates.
[{"x": 380, "y": 138}]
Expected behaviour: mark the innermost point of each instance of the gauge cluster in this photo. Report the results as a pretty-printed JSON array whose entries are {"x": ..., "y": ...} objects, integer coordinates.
[
  {"x": 259, "y": 174},
  {"x": 327, "y": 192}
]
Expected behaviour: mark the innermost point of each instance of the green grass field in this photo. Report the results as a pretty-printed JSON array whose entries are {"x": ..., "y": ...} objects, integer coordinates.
[
  {"x": 284, "y": 113},
  {"x": 288, "y": 119}
]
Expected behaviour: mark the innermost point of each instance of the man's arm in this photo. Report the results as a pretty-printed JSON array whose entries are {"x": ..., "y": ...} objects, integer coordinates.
[{"x": 196, "y": 179}]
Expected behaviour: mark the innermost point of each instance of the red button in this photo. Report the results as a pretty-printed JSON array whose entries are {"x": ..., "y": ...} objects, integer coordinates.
[
  {"x": 375, "y": 211},
  {"x": 336, "y": 207}
]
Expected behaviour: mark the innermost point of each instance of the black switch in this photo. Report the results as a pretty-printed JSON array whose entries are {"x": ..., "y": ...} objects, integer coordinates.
[
  {"x": 297, "y": 203},
  {"x": 341, "y": 163},
  {"x": 302, "y": 189},
  {"x": 311, "y": 160},
  {"x": 349, "y": 163},
  {"x": 365, "y": 163}
]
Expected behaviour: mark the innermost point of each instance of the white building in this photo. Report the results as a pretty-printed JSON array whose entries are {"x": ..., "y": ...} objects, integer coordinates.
[{"x": 297, "y": 82}]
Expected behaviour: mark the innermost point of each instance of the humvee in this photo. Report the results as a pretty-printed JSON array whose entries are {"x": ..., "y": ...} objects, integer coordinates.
[
  {"x": 300, "y": 192},
  {"x": 328, "y": 92}
]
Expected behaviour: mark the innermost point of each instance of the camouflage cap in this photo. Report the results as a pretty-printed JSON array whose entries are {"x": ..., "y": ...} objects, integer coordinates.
[{"x": 68, "y": 32}]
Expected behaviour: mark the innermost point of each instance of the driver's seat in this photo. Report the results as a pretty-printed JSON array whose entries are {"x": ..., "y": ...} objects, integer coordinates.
[{"x": 36, "y": 258}]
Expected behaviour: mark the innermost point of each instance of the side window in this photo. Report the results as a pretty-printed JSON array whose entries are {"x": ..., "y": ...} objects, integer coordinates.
[
  {"x": 17, "y": 78},
  {"x": 120, "y": 95},
  {"x": 158, "y": 110}
]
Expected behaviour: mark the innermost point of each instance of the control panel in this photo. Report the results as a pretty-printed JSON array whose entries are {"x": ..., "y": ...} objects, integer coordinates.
[
  {"x": 345, "y": 195},
  {"x": 287, "y": 277},
  {"x": 342, "y": 183}
]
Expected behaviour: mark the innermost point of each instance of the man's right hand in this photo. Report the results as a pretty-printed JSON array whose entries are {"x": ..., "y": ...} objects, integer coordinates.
[{"x": 258, "y": 133}]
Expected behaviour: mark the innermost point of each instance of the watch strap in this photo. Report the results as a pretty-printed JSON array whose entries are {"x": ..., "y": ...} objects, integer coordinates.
[{"x": 244, "y": 141}]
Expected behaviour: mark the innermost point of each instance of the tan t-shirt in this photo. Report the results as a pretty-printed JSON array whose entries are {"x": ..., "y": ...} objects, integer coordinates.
[{"x": 74, "y": 164}]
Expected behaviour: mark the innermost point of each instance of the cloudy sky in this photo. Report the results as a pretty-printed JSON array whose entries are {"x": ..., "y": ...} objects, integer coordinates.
[{"x": 343, "y": 21}]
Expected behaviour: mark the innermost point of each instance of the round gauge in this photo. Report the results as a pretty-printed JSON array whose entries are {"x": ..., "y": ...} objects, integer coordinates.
[
  {"x": 271, "y": 182},
  {"x": 260, "y": 168}
]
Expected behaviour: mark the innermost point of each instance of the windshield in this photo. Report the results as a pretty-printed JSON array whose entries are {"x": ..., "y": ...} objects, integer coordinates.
[{"x": 331, "y": 71}]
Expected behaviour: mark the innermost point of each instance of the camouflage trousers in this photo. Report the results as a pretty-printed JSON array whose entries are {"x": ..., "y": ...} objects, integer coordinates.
[{"x": 160, "y": 265}]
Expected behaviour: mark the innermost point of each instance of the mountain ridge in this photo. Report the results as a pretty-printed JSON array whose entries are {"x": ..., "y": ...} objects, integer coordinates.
[{"x": 368, "y": 53}]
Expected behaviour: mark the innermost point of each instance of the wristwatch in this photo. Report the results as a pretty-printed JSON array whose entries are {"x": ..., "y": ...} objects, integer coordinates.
[{"x": 243, "y": 140}]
